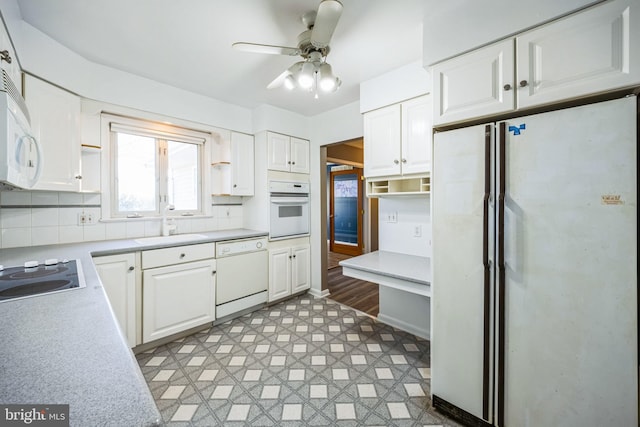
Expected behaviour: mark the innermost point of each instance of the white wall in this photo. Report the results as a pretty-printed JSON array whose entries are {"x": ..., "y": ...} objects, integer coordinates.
[
  {"x": 397, "y": 85},
  {"x": 452, "y": 27},
  {"x": 267, "y": 117},
  {"x": 44, "y": 57},
  {"x": 337, "y": 125},
  {"x": 400, "y": 236}
]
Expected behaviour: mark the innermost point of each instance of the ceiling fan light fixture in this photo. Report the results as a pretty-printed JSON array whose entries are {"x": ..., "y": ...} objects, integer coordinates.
[
  {"x": 289, "y": 82},
  {"x": 328, "y": 81},
  {"x": 306, "y": 75}
]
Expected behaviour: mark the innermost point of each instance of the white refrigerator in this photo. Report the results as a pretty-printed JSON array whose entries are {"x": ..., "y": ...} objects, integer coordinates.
[{"x": 535, "y": 284}]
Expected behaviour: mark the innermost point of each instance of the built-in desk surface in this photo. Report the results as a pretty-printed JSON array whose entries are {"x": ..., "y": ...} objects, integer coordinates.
[{"x": 409, "y": 273}]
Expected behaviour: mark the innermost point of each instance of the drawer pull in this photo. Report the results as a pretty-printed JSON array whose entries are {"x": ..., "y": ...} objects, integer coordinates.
[
  {"x": 182, "y": 256},
  {"x": 132, "y": 268}
]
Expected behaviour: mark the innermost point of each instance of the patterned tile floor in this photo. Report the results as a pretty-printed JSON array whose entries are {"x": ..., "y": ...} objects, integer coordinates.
[{"x": 302, "y": 362}]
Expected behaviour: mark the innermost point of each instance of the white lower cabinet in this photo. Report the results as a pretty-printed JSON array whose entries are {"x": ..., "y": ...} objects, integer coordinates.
[
  {"x": 180, "y": 296},
  {"x": 289, "y": 271},
  {"x": 118, "y": 275}
]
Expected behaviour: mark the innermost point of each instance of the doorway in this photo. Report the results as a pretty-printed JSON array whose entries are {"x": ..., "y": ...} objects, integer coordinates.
[
  {"x": 341, "y": 166},
  {"x": 345, "y": 211}
]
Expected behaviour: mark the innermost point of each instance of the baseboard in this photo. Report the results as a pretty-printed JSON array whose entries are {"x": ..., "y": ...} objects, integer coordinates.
[
  {"x": 399, "y": 324},
  {"x": 319, "y": 294}
]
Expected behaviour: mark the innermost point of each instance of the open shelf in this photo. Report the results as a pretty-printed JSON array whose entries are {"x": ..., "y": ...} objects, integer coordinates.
[{"x": 398, "y": 186}]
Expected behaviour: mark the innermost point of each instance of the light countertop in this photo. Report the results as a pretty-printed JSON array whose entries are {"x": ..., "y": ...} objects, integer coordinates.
[
  {"x": 66, "y": 347},
  {"x": 405, "y": 272}
]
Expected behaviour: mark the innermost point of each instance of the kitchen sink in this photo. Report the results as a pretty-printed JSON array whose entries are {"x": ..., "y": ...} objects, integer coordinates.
[{"x": 175, "y": 238}]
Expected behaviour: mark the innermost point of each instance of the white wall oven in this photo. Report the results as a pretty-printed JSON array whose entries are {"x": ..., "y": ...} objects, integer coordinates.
[{"x": 289, "y": 209}]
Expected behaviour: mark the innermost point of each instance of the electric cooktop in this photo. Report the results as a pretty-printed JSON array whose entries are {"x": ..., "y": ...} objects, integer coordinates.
[{"x": 35, "y": 279}]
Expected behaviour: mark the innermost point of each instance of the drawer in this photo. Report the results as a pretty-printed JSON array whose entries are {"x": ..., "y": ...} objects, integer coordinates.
[{"x": 177, "y": 255}]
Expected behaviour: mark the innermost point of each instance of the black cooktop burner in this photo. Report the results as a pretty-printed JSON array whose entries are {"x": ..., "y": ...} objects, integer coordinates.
[
  {"x": 34, "y": 272},
  {"x": 20, "y": 282}
]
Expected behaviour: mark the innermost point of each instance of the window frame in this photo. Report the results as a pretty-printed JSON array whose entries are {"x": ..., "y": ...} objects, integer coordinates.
[{"x": 162, "y": 133}]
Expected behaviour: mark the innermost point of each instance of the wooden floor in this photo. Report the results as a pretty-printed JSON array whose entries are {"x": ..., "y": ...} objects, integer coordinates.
[
  {"x": 333, "y": 258},
  {"x": 355, "y": 293}
]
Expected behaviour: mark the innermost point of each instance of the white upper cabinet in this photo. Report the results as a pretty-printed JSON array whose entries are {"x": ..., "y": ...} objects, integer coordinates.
[
  {"x": 590, "y": 52},
  {"x": 55, "y": 121},
  {"x": 416, "y": 135},
  {"x": 382, "y": 140},
  {"x": 479, "y": 83},
  {"x": 242, "y": 164},
  {"x": 397, "y": 139},
  {"x": 232, "y": 163},
  {"x": 299, "y": 155},
  {"x": 287, "y": 154}
]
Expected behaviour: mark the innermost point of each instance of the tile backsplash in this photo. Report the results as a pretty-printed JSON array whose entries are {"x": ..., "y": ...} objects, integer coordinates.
[{"x": 32, "y": 218}]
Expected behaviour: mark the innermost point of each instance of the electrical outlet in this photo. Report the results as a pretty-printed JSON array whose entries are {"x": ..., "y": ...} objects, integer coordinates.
[
  {"x": 90, "y": 219},
  {"x": 417, "y": 231},
  {"x": 392, "y": 217}
]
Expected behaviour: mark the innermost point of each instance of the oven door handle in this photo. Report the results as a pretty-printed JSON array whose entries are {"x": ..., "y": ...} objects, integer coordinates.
[{"x": 290, "y": 201}]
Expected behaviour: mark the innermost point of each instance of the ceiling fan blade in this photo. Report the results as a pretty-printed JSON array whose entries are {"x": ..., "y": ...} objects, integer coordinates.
[
  {"x": 266, "y": 48},
  {"x": 278, "y": 81},
  {"x": 329, "y": 12}
]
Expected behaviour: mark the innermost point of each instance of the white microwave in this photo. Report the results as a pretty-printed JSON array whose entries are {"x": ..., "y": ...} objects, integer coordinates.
[
  {"x": 20, "y": 154},
  {"x": 289, "y": 209}
]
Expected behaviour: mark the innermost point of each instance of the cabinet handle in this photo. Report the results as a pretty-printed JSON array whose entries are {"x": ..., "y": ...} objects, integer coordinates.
[
  {"x": 78, "y": 177},
  {"x": 132, "y": 268},
  {"x": 404, "y": 160},
  {"x": 523, "y": 83},
  {"x": 290, "y": 256},
  {"x": 4, "y": 56},
  {"x": 213, "y": 273},
  {"x": 396, "y": 161},
  {"x": 507, "y": 87},
  {"x": 235, "y": 185},
  {"x": 182, "y": 255},
  {"x": 289, "y": 162},
  {"x": 294, "y": 256}
]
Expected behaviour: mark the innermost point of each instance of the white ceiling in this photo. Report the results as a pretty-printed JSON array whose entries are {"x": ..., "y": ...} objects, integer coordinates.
[{"x": 187, "y": 44}]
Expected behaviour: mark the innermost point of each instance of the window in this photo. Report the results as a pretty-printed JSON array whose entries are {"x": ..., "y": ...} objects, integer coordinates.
[{"x": 154, "y": 167}]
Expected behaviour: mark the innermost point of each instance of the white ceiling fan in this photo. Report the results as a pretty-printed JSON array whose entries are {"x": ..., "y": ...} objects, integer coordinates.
[{"x": 313, "y": 72}]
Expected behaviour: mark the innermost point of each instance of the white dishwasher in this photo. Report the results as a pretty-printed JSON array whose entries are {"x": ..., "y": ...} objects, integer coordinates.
[{"x": 242, "y": 275}]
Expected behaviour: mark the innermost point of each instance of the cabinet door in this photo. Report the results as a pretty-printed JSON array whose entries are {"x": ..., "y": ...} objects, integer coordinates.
[
  {"x": 300, "y": 268},
  {"x": 279, "y": 273},
  {"x": 278, "y": 147},
  {"x": 55, "y": 121},
  {"x": 416, "y": 135},
  {"x": 382, "y": 142},
  {"x": 242, "y": 164},
  {"x": 476, "y": 84},
  {"x": 117, "y": 274},
  {"x": 177, "y": 298},
  {"x": 594, "y": 51},
  {"x": 299, "y": 155}
]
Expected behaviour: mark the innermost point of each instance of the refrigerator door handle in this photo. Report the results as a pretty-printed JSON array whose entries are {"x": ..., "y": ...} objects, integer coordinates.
[
  {"x": 501, "y": 270},
  {"x": 486, "y": 262}
]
